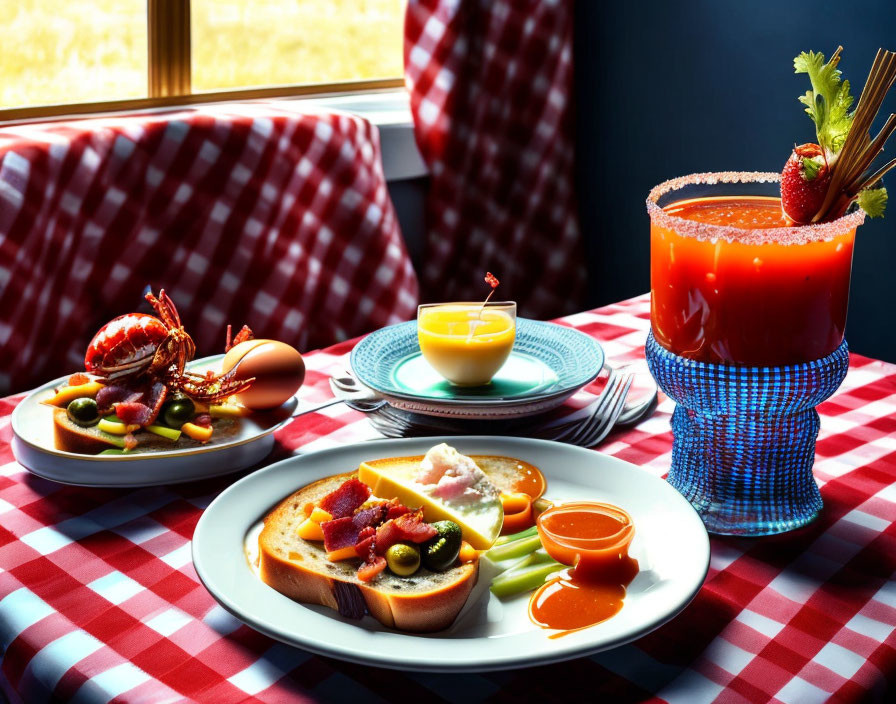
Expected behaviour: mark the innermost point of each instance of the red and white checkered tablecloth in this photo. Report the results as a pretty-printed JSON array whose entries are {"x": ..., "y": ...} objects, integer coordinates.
[
  {"x": 266, "y": 213},
  {"x": 99, "y": 600}
]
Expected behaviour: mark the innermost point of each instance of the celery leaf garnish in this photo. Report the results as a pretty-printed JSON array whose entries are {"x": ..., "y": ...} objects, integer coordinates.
[
  {"x": 873, "y": 201},
  {"x": 829, "y": 100}
]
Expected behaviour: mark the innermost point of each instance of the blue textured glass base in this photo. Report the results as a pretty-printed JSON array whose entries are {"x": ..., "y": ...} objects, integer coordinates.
[{"x": 745, "y": 438}]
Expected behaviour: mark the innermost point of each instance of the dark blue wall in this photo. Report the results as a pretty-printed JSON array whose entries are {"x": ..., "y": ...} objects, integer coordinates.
[{"x": 669, "y": 88}]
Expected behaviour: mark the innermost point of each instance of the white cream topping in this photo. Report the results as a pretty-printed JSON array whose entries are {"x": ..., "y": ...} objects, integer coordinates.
[{"x": 446, "y": 474}]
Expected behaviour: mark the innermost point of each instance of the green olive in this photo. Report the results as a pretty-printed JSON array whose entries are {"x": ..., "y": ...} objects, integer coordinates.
[
  {"x": 83, "y": 411},
  {"x": 403, "y": 559},
  {"x": 177, "y": 412},
  {"x": 440, "y": 551}
]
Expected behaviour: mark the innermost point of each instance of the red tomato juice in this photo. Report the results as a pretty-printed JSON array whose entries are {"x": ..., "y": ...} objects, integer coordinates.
[{"x": 748, "y": 302}]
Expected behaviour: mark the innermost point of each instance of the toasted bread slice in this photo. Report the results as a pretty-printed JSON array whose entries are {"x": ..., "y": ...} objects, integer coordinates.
[
  {"x": 506, "y": 473},
  {"x": 425, "y": 601},
  {"x": 71, "y": 437}
]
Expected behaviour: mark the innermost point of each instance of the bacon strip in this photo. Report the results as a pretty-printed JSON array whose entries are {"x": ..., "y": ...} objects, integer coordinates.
[
  {"x": 346, "y": 531},
  {"x": 133, "y": 413},
  {"x": 364, "y": 546},
  {"x": 369, "y": 570},
  {"x": 108, "y": 396},
  {"x": 396, "y": 509},
  {"x": 406, "y": 528},
  {"x": 346, "y": 499},
  {"x": 155, "y": 393}
]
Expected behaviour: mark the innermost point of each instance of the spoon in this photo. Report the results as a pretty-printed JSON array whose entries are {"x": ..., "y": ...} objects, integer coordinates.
[{"x": 346, "y": 389}]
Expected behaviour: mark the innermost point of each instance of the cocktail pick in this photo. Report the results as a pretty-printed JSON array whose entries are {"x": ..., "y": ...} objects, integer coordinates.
[
  {"x": 492, "y": 281},
  {"x": 849, "y": 174}
]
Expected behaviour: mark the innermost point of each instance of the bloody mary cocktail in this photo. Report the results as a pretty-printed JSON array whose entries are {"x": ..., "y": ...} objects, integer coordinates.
[{"x": 733, "y": 283}]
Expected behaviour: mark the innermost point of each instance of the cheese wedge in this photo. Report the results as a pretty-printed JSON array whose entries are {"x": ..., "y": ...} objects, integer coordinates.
[{"x": 480, "y": 520}]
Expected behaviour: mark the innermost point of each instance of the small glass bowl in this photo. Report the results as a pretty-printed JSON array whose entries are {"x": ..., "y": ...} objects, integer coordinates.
[
  {"x": 595, "y": 553},
  {"x": 467, "y": 342}
]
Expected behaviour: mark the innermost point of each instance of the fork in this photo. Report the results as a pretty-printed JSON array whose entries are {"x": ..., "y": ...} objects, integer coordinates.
[
  {"x": 602, "y": 420},
  {"x": 601, "y": 416}
]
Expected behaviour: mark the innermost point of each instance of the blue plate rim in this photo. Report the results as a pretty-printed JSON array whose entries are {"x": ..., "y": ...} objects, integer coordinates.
[{"x": 566, "y": 389}]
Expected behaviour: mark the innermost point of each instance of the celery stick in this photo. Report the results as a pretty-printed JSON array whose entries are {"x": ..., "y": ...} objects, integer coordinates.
[
  {"x": 504, "y": 539},
  {"x": 517, "y": 548},
  {"x": 539, "y": 557},
  {"x": 164, "y": 432},
  {"x": 541, "y": 505},
  {"x": 112, "y": 427},
  {"x": 523, "y": 580},
  {"x": 525, "y": 562}
]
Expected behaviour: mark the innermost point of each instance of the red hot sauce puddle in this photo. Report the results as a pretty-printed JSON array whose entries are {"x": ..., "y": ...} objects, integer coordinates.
[{"x": 594, "y": 538}]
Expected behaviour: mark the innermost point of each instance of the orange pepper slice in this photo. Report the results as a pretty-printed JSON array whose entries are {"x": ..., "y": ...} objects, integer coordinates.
[
  {"x": 532, "y": 481},
  {"x": 517, "y": 513},
  {"x": 467, "y": 552}
]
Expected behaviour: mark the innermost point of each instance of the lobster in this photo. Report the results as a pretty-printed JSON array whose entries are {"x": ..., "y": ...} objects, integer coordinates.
[{"x": 152, "y": 352}]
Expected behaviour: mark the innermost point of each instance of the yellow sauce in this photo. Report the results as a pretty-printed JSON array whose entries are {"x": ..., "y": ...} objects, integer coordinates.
[{"x": 463, "y": 345}]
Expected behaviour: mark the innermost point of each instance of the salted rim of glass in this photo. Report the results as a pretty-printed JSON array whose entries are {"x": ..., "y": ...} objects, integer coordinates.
[{"x": 798, "y": 234}]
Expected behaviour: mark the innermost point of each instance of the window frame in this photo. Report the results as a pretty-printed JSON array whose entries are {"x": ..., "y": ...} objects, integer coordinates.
[{"x": 170, "y": 75}]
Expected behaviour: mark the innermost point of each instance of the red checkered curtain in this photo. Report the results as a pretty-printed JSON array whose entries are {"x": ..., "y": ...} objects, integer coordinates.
[
  {"x": 491, "y": 93},
  {"x": 261, "y": 213}
]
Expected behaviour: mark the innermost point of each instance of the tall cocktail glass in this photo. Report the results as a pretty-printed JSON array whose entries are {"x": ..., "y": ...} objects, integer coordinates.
[{"x": 747, "y": 323}]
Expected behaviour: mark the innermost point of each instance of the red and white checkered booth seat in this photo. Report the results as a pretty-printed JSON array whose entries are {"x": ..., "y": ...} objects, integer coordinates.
[
  {"x": 491, "y": 87},
  {"x": 262, "y": 213}
]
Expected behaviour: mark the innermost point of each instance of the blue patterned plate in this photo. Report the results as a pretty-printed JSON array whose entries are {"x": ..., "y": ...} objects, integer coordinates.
[{"x": 548, "y": 361}]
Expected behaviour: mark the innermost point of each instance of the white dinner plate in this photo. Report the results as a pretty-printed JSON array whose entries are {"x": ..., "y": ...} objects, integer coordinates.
[
  {"x": 670, "y": 544},
  {"x": 34, "y": 447}
]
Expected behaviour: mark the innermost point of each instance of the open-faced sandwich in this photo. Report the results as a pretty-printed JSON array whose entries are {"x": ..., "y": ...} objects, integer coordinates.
[
  {"x": 399, "y": 539},
  {"x": 136, "y": 393}
]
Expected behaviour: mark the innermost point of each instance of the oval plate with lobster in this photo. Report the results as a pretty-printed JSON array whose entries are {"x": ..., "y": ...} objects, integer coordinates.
[
  {"x": 34, "y": 448},
  {"x": 145, "y": 413}
]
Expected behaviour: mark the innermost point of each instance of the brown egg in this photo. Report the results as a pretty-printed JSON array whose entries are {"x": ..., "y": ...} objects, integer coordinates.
[{"x": 277, "y": 367}]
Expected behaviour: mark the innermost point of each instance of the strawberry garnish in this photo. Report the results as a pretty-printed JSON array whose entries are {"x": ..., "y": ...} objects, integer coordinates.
[
  {"x": 804, "y": 183},
  {"x": 820, "y": 182}
]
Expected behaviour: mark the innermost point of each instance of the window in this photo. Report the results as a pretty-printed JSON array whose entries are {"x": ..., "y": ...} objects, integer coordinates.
[
  {"x": 298, "y": 42},
  {"x": 71, "y": 56},
  {"x": 55, "y": 51}
]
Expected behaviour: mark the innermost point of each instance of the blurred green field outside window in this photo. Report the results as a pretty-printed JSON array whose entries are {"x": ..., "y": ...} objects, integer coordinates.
[{"x": 65, "y": 52}]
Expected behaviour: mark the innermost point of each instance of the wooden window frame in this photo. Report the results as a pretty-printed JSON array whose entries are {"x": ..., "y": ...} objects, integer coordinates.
[{"x": 170, "y": 74}]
